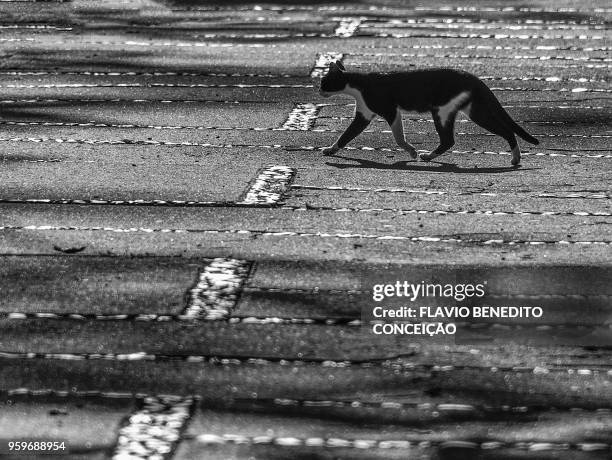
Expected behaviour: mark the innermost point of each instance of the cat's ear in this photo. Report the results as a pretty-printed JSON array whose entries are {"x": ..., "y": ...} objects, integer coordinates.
[{"x": 340, "y": 65}]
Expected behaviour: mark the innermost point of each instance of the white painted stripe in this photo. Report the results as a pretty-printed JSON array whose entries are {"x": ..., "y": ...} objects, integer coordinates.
[
  {"x": 269, "y": 186},
  {"x": 153, "y": 431},
  {"x": 364, "y": 236},
  {"x": 217, "y": 289},
  {"x": 302, "y": 117},
  {"x": 347, "y": 27},
  {"x": 322, "y": 62}
]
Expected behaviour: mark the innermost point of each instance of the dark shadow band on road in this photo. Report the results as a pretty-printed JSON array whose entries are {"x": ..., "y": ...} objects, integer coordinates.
[{"x": 419, "y": 166}]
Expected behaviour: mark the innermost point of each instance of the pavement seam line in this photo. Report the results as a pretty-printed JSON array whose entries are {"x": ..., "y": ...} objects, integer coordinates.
[
  {"x": 490, "y": 26},
  {"x": 334, "y": 8},
  {"x": 391, "y": 363},
  {"x": 309, "y": 207},
  {"x": 597, "y": 195},
  {"x": 154, "y": 430},
  {"x": 156, "y": 85},
  {"x": 300, "y": 119},
  {"x": 217, "y": 289},
  {"x": 220, "y": 315},
  {"x": 364, "y": 444},
  {"x": 305, "y": 207},
  {"x": 309, "y": 403},
  {"x": 484, "y": 36},
  {"x": 278, "y": 146},
  {"x": 262, "y": 85},
  {"x": 477, "y": 56},
  {"x": 247, "y": 45},
  {"x": 413, "y": 239},
  {"x": 236, "y": 102}
]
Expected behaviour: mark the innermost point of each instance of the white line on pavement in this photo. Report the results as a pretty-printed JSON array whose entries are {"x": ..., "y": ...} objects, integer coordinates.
[
  {"x": 269, "y": 186},
  {"x": 347, "y": 27},
  {"x": 153, "y": 430},
  {"x": 217, "y": 289},
  {"x": 302, "y": 117}
]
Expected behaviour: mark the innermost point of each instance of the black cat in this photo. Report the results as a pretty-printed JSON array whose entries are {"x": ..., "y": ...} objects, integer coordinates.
[{"x": 443, "y": 92}]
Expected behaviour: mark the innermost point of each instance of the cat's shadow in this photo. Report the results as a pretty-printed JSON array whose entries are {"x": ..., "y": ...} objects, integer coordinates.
[{"x": 415, "y": 165}]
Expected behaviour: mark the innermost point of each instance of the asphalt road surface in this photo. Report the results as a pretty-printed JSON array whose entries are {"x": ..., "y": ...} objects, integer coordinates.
[{"x": 184, "y": 275}]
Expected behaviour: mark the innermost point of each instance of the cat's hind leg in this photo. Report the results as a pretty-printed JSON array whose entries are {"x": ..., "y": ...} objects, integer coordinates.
[
  {"x": 483, "y": 118},
  {"x": 397, "y": 128},
  {"x": 445, "y": 126}
]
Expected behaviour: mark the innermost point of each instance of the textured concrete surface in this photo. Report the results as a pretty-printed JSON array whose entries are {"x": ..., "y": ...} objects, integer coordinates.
[{"x": 130, "y": 133}]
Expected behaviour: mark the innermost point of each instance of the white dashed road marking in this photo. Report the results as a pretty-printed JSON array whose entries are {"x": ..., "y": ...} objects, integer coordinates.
[
  {"x": 347, "y": 27},
  {"x": 302, "y": 117},
  {"x": 269, "y": 186},
  {"x": 153, "y": 431},
  {"x": 217, "y": 289}
]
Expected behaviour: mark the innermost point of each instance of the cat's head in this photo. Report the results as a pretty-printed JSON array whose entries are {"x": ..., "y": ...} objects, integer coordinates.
[{"x": 334, "y": 81}]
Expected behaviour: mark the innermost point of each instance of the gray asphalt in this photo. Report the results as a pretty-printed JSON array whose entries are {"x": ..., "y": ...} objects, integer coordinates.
[{"x": 154, "y": 104}]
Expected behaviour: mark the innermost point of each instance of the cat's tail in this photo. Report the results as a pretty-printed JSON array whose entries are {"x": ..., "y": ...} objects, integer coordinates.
[
  {"x": 505, "y": 118},
  {"x": 518, "y": 130}
]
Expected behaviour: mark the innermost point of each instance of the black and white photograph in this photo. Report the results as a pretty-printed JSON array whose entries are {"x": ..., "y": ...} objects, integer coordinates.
[{"x": 305, "y": 230}]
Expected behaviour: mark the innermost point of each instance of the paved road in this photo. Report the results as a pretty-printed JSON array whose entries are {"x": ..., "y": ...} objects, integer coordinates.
[{"x": 185, "y": 275}]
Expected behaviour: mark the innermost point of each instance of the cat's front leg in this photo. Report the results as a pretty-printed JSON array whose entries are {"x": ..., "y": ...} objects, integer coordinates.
[{"x": 359, "y": 123}]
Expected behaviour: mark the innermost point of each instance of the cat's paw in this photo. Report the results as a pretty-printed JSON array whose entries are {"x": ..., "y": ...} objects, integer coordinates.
[
  {"x": 426, "y": 156},
  {"x": 413, "y": 153},
  {"x": 329, "y": 150}
]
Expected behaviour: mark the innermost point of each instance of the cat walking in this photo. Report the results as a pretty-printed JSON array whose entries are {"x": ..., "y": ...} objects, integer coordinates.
[{"x": 443, "y": 92}]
